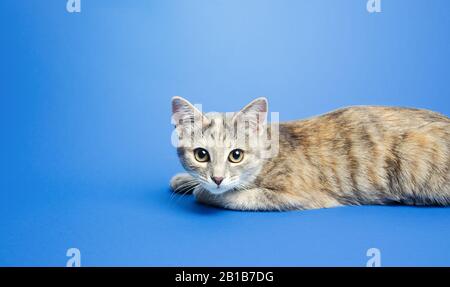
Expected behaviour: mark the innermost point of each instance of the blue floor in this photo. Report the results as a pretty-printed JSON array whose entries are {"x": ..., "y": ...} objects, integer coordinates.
[
  {"x": 141, "y": 226},
  {"x": 85, "y": 146}
]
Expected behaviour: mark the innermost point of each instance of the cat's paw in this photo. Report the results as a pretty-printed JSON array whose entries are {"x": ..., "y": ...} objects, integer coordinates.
[
  {"x": 182, "y": 183},
  {"x": 205, "y": 197}
]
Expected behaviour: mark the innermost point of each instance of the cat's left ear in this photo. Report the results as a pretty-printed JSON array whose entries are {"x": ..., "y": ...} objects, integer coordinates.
[
  {"x": 185, "y": 114},
  {"x": 254, "y": 113}
]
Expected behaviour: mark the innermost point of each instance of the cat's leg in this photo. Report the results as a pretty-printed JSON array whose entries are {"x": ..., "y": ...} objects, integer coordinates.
[
  {"x": 249, "y": 199},
  {"x": 183, "y": 183}
]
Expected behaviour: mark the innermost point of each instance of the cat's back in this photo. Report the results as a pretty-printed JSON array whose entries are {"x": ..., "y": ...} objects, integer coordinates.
[
  {"x": 383, "y": 117},
  {"x": 363, "y": 123},
  {"x": 365, "y": 154}
]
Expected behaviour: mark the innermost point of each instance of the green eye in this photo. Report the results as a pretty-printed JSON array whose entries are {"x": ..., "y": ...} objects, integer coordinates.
[
  {"x": 201, "y": 155},
  {"x": 236, "y": 155}
]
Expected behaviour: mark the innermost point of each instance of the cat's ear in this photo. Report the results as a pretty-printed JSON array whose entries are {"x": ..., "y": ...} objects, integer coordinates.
[
  {"x": 184, "y": 113},
  {"x": 254, "y": 113}
]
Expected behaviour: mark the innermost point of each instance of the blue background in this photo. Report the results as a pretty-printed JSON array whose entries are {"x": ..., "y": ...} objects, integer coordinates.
[{"x": 85, "y": 143}]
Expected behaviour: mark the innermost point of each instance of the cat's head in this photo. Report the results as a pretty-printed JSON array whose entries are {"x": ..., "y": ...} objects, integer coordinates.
[{"x": 221, "y": 150}]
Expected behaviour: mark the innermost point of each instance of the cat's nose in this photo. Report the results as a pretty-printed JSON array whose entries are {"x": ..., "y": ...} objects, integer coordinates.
[{"x": 217, "y": 179}]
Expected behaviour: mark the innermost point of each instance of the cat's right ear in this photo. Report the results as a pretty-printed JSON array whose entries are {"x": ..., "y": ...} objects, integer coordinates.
[{"x": 184, "y": 113}]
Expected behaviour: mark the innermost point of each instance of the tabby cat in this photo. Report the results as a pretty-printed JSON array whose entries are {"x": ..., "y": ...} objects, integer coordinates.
[{"x": 352, "y": 156}]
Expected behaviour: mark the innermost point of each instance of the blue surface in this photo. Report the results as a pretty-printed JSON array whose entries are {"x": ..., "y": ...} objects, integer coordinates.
[{"x": 85, "y": 124}]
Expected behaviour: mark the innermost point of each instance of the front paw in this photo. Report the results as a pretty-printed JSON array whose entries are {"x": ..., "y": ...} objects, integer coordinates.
[
  {"x": 205, "y": 197},
  {"x": 182, "y": 183}
]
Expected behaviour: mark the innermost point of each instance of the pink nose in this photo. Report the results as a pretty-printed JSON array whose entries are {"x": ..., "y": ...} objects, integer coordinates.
[{"x": 218, "y": 180}]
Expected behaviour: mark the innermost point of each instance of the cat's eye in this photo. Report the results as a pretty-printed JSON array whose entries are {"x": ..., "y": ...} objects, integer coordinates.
[
  {"x": 201, "y": 155},
  {"x": 236, "y": 155}
]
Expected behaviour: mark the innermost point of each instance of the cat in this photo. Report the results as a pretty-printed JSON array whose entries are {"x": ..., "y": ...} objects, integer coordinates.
[{"x": 361, "y": 155}]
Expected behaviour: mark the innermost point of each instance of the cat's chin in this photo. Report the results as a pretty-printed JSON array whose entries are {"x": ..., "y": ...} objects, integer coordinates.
[{"x": 218, "y": 190}]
